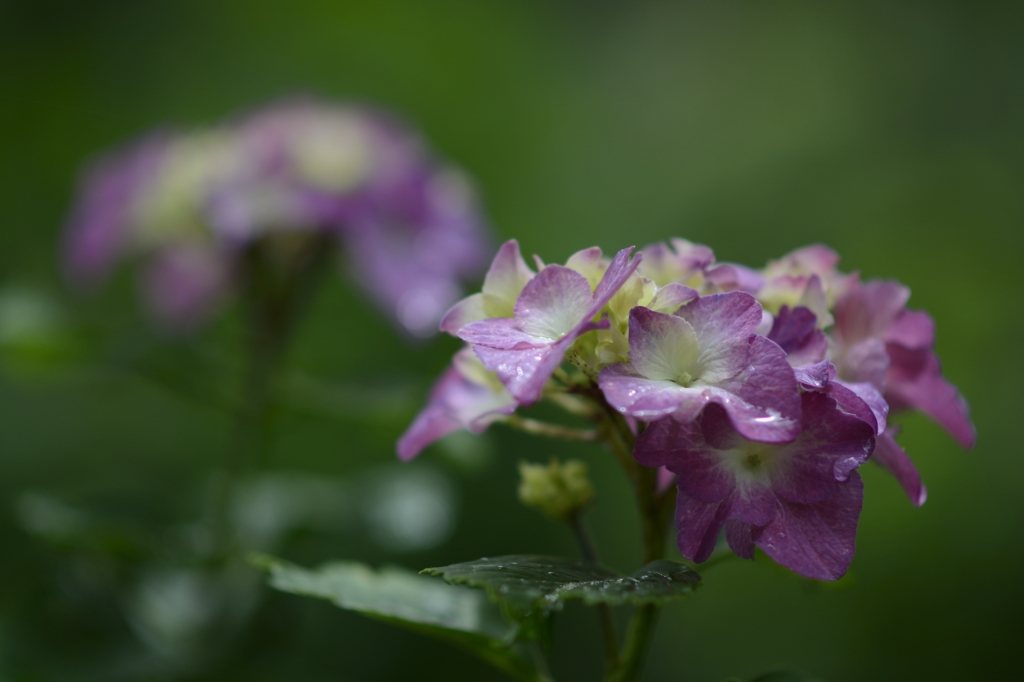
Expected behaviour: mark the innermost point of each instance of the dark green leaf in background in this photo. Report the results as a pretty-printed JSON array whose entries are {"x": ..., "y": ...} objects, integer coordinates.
[{"x": 401, "y": 597}]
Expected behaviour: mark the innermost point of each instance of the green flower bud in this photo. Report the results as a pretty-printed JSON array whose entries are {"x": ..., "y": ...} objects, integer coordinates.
[{"x": 556, "y": 490}]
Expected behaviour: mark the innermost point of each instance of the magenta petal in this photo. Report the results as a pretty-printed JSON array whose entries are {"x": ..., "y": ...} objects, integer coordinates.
[
  {"x": 666, "y": 479},
  {"x": 915, "y": 380},
  {"x": 698, "y": 523},
  {"x": 682, "y": 449},
  {"x": 508, "y": 274},
  {"x": 740, "y": 537},
  {"x": 895, "y": 460},
  {"x": 816, "y": 540},
  {"x": 615, "y": 276},
  {"x": 753, "y": 503},
  {"x": 554, "y": 302},
  {"x": 912, "y": 329}
]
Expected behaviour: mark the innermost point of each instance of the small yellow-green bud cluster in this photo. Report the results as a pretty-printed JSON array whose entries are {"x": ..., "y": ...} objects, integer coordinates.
[{"x": 557, "y": 490}]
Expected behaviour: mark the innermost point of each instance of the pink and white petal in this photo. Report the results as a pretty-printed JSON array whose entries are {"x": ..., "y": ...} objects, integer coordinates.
[
  {"x": 912, "y": 329},
  {"x": 469, "y": 309},
  {"x": 869, "y": 309},
  {"x": 698, "y": 524},
  {"x": 661, "y": 347},
  {"x": 643, "y": 398},
  {"x": 894, "y": 459},
  {"x": 813, "y": 298},
  {"x": 763, "y": 399},
  {"x": 816, "y": 540},
  {"x": 524, "y": 372},
  {"x": 722, "y": 319},
  {"x": 670, "y": 297},
  {"x": 588, "y": 263},
  {"x": 732, "y": 277},
  {"x": 554, "y": 302},
  {"x": 615, "y": 276},
  {"x": 506, "y": 278},
  {"x": 500, "y": 333}
]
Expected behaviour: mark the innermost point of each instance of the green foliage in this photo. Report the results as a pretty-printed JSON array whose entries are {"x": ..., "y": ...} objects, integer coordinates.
[
  {"x": 401, "y": 597},
  {"x": 530, "y": 585},
  {"x": 783, "y": 676}
]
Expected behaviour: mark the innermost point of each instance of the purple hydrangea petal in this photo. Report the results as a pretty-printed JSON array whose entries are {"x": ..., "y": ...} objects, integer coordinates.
[
  {"x": 506, "y": 278},
  {"x": 500, "y": 333},
  {"x": 666, "y": 479},
  {"x": 524, "y": 372},
  {"x": 894, "y": 459},
  {"x": 553, "y": 303},
  {"x": 740, "y": 537},
  {"x": 182, "y": 287},
  {"x": 815, "y": 377},
  {"x": 619, "y": 270},
  {"x": 816, "y": 540},
  {"x": 830, "y": 446},
  {"x": 699, "y": 524},
  {"x": 684, "y": 450},
  {"x": 753, "y": 502},
  {"x": 643, "y": 398},
  {"x": 864, "y": 362},
  {"x": 98, "y": 230},
  {"x": 455, "y": 403},
  {"x": 670, "y": 297},
  {"x": 661, "y": 347},
  {"x": 862, "y": 400},
  {"x": 469, "y": 309},
  {"x": 768, "y": 408},
  {"x": 915, "y": 380},
  {"x": 796, "y": 332},
  {"x": 867, "y": 311},
  {"x": 721, "y": 319}
]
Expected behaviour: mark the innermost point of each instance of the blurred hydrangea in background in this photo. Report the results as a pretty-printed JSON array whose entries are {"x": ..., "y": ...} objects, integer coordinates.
[{"x": 190, "y": 204}]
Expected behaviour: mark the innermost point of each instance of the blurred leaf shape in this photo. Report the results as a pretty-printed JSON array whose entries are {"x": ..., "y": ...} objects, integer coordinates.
[
  {"x": 528, "y": 584},
  {"x": 401, "y": 597}
]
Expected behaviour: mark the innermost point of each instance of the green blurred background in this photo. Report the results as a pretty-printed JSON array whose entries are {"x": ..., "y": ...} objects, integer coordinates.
[{"x": 891, "y": 131}]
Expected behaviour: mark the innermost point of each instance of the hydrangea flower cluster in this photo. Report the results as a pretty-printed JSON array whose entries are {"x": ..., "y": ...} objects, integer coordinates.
[
  {"x": 189, "y": 204},
  {"x": 760, "y": 392}
]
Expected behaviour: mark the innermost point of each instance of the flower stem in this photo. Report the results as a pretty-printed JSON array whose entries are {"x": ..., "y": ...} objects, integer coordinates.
[
  {"x": 539, "y": 428},
  {"x": 604, "y": 612}
]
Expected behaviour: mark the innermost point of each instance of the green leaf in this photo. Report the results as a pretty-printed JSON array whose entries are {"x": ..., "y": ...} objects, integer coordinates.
[
  {"x": 528, "y": 585},
  {"x": 401, "y": 597},
  {"x": 783, "y": 676}
]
